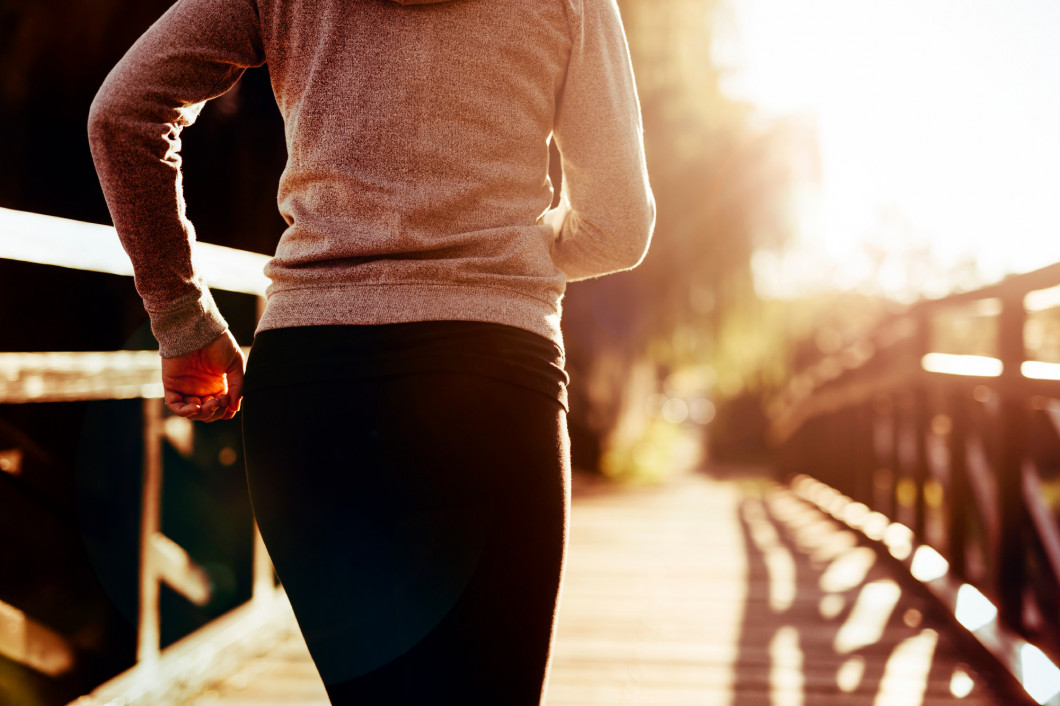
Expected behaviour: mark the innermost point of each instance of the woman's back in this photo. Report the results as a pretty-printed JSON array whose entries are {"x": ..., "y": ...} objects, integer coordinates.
[{"x": 416, "y": 183}]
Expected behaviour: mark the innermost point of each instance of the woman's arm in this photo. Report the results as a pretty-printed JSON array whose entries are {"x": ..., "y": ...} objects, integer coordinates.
[
  {"x": 196, "y": 51},
  {"x": 607, "y": 212}
]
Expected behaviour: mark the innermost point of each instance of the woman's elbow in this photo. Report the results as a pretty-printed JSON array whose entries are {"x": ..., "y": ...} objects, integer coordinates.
[
  {"x": 101, "y": 115},
  {"x": 114, "y": 113},
  {"x": 639, "y": 232}
]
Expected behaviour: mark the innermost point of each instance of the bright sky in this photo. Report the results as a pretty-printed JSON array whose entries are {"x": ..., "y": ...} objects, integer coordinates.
[{"x": 946, "y": 112}]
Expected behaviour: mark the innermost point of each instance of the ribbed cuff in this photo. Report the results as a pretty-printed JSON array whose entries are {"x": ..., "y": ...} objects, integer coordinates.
[{"x": 188, "y": 327}]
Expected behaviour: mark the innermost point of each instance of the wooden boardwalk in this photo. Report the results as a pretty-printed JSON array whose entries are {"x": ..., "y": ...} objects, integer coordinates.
[{"x": 706, "y": 591}]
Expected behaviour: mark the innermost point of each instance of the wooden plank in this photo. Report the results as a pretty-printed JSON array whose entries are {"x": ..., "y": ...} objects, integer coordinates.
[
  {"x": 207, "y": 655},
  {"x": 668, "y": 599},
  {"x": 284, "y": 674}
]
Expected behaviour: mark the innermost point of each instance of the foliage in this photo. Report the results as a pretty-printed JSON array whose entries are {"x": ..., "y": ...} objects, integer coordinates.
[{"x": 724, "y": 181}]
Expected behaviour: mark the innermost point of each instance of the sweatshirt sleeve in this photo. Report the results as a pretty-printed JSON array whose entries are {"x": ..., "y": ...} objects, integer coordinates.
[
  {"x": 607, "y": 211},
  {"x": 196, "y": 51}
]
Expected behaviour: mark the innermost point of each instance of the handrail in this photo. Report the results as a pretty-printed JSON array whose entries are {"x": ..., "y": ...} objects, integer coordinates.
[
  {"x": 79, "y": 376},
  {"x": 61, "y": 242},
  {"x": 952, "y": 443},
  {"x": 70, "y": 376}
]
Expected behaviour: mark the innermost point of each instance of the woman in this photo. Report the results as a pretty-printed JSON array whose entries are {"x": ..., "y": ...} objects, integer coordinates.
[{"x": 405, "y": 400}]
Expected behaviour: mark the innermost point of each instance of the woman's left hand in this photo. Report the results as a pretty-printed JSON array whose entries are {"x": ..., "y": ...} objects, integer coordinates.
[{"x": 207, "y": 384}]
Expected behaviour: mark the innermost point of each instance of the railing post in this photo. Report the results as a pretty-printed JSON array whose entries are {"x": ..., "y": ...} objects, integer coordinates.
[
  {"x": 921, "y": 419},
  {"x": 848, "y": 431},
  {"x": 148, "y": 630},
  {"x": 887, "y": 406},
  {"x": 264, "y": 586},
  {"x": 1012, "y": 427},
  {"x": 865, "y": 448},
  {"x": 958, "y": 496}
]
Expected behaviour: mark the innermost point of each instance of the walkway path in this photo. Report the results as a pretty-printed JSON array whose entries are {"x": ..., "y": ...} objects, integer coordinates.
[{"x": 706, "y": 591}]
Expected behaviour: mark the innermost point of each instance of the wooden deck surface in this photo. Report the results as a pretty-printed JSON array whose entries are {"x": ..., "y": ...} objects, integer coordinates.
[{"x": 706, "y": 591}]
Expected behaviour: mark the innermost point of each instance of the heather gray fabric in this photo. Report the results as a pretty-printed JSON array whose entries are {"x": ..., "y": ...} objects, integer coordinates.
[{"x": 416, "y": 186}]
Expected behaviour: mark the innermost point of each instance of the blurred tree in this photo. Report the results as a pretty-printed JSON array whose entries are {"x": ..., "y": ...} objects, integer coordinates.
[{"x": 726, "y": 183}]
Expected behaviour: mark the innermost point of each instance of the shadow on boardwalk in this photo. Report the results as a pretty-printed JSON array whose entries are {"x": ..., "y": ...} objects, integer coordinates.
[
  {"x": 826, "y": 622},
  {"x": 722, "y": 588}
]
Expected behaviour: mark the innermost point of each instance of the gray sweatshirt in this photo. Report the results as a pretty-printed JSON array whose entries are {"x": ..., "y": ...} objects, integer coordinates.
[{"x": 416, "y": 185}]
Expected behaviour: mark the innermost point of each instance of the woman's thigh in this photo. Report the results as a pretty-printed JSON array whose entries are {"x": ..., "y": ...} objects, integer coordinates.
[{"x": 418, "y": 524}]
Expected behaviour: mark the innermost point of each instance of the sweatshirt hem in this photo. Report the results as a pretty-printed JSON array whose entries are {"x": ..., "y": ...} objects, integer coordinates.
[{"x": 361, "y": 304}]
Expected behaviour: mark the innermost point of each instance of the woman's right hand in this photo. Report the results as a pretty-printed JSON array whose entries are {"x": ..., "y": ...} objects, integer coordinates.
[{"x": 207, "y": 384}]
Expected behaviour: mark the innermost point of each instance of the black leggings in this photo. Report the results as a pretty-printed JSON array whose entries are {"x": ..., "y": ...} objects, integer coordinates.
[{"x": 418, "y": 523}]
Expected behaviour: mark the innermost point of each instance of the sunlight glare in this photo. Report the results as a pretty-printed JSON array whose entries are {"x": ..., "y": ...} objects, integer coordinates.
[
  {"x": 1037, "y": 370},
  {"x": 785, "y": 670},
  {"x": 974, "y": 610},
  {"x": 11, "y": 461},
  {"x": 831, "y": 543},
  {"x": 899, "y": 540},
  {"x": 848, "y": 678},
  {"x": 778, "y": 560},
  {"x": 928, "y": 564},
  {"x": 939, "y": 159},
  {"x": 869, "y": 616},
  {"x": 1042, "y": 299},
  {"x": 1039, "y": 675},
  {"x": 848, "y": 571},
  {"x": 912, "y": 618},
  {"x": 905, "y": 676},
  {"x": 961, "y": 683},
  {"x": 853, "y": 513},
  {"x": 950, "y": 364},
  {"x": 874, "y": 525},
  {"x": 831, "y": 606}
]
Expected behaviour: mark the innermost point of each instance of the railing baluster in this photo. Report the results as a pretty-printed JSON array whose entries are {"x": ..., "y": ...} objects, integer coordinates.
[
  {"x": 893, "y": 462},
  {"x": 149, "y": 629},
  {"x": 1001, "y": 535},
  {"x": 958, "y": 498},
  {"x": 921, "y": 422},
  {"x": 1012, "y": 425},
  {"x": 81, "y": 376}
]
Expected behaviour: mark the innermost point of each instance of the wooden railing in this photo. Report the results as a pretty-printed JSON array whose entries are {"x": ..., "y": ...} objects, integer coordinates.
[
  {"x": 946, "y": 421},
  {"x": 27, "y": 378}
]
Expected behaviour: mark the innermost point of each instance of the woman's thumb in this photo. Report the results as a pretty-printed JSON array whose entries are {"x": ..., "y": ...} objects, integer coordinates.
[{"x": 234, "y": 377}]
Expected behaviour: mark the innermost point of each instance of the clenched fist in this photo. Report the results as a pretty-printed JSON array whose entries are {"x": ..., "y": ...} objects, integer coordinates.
[{"x": 207, "y": 384}]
